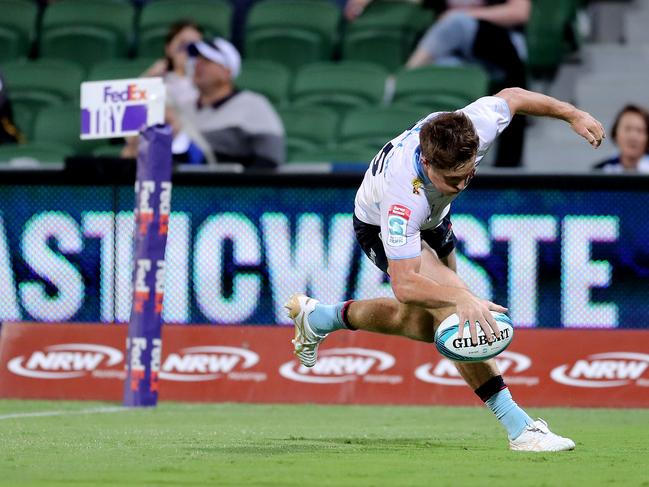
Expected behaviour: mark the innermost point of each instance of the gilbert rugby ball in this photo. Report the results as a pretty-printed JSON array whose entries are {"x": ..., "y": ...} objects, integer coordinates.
[{"x": 462, "y": 350}]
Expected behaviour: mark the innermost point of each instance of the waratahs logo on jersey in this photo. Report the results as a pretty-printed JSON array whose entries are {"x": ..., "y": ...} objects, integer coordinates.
[{"x": 398, "y": 217}]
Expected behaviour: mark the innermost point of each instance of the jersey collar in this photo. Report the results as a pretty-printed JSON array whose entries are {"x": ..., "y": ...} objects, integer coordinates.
[{"x": 416, "y": 162}]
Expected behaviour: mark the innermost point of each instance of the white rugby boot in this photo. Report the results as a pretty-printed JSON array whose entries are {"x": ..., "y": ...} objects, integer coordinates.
[
  {"x": 538, "y": 437},
  {"x": 306, "y": 341}
]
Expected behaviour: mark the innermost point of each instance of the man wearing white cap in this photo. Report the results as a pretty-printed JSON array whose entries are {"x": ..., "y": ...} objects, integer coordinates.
[{"x": 238, "y": 126}]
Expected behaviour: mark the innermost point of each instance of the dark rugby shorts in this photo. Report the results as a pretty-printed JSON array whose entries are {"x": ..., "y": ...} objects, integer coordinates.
[{"x": 441, "y": 239}]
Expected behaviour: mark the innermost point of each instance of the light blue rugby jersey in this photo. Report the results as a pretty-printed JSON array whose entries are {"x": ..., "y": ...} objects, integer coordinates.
[{"x": 386, "y": 197}]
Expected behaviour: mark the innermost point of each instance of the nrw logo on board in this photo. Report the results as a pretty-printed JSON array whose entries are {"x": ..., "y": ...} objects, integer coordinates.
[{"x": 339, "y": 365}]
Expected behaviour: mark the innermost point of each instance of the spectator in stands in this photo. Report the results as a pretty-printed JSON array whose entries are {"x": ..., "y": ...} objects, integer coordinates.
[
  {"x": 227, "y": 124},
  {"x": 631, "y": 135},
  {"x": 9, "y": 133},
  {"x": 173, "y": 67},
  {"x": 488, "y": 32}
]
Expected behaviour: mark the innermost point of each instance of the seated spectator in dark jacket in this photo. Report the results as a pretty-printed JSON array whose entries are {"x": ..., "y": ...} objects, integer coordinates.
[
  {"x": 239, "y": 126},
  {"x": 631, "y": 135}
]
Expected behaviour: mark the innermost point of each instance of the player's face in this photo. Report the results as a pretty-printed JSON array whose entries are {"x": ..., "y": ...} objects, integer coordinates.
[
  {"x": 451, "y": 181},
  {"x": 631, "y": 135}
]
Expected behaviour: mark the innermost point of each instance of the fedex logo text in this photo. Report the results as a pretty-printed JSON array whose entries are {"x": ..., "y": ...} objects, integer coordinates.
[
  {"x": 142, "y": 291},
  {"x": 159, "y": 285},
  {"x": 135, "y": 347},
  {"x": 131, "y": 93},
  {"x": 143, "y": 191},
  {"x": 165, "y": 207}
]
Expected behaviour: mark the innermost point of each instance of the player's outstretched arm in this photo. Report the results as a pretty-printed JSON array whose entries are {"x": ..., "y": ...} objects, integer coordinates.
[
  {"x": 526, "y": 102},
  {"x": 411, "y": 287}
]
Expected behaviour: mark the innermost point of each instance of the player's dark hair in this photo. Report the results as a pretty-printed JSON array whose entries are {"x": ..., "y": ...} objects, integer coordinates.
[
  {"x": 637, "y": 110},
  {"x": 448, "y": 141},
  {"x": 176, "y": 28}
]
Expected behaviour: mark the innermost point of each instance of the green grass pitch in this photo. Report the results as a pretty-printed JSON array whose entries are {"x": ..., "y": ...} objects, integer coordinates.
[{"x": 310, "y": 446}]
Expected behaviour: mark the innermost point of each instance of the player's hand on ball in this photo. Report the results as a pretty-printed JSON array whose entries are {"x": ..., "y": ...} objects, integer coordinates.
[
  {"x": 473, "y": 311},
  {"x": 588, "y": 127}
]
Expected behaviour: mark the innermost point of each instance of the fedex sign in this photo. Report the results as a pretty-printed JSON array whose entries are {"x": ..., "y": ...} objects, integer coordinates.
[
  {"x": 131, "y": 93},
  {"x": 119, "y": 108}
]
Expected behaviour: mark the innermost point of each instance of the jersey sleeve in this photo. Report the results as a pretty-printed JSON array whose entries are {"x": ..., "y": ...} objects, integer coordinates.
[
  {"x": 401, "y": 218},
  {"x": 490, "y": 116}
]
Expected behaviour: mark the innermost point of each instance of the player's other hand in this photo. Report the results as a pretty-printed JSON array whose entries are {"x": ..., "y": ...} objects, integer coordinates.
[
  {"x": 474, "y": 312},
  {"x": 588, "y": 127}
]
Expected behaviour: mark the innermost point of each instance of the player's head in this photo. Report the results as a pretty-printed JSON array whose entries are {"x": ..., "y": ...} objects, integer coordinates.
[
  {"x": 631, "y": 131},
  {"x": 449, "y": 145},
  {"x": 217, "y": 64}
]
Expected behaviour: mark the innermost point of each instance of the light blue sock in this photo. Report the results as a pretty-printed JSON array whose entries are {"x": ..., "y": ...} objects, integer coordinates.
[
  {"x": 512, "y": 417},
  {"x": 326, "y": 318}
]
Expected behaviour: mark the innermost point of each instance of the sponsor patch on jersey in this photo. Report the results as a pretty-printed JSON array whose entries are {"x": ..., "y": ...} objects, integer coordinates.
[{"x": 398, "y": 217}]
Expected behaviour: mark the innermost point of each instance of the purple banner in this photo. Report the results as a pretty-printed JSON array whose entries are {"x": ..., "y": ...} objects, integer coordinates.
[{"x": 152, "y": 208}]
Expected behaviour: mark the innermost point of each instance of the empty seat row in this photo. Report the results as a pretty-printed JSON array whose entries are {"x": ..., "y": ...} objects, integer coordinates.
[
  {"x": 314, "y": 130},
  {"x": 291, "y": 32}
]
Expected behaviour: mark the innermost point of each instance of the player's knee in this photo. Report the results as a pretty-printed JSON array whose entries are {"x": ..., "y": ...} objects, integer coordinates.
[{"x": 418, "y": 326}]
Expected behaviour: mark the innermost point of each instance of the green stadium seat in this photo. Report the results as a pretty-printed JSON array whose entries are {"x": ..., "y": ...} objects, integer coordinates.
[
  {"x": 372, "y": 127},
  {"x": 214, "y": 16},
  {"x": 86, "y": 32},
  {"x": 36, "y": 84},
  {"x": 17, "y": 28},
  {"x": 266, "y": 77},
  {"x": 435, "y": 88},
  {"x": 308, "y": 128},
  {"x": 385, "y": 33},
  {"x": 62, "y": 124},
  {"x": 119, "y": 69},
  {"x": 292, "y": 32},
  {"x": 340, "y": 86},
  {"x": 111, "y": 150},
  {"x": 346, "y": 153},
  {"x": 550, "y": 35},
  {"x": 40, "y": 151}
]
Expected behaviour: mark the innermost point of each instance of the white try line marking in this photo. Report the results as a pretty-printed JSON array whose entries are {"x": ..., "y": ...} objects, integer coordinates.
[{"x": 112, "y": 409}]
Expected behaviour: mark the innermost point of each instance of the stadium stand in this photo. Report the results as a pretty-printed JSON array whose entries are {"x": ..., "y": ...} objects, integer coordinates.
[
  {"x": 385, "y": 34},
  {"x": 17, "y": 28},
  {"x": 308, "y": 128},
  {"x": 373, "y": 127},
  {"x": 292, "y": 32},
  {"x": 61, "y": 124},
  {"x": 440, "y": 87},
  {"x": 34, "y": 85},
  {"x": 271, "y": 79},
  {"x": 214, "y": 17},
  {"x": 551, "y": 35},
  {"x": 87, "y": 31},
  {"x": 340, "y": 85},
  {"x": 119, "y": 69}
]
